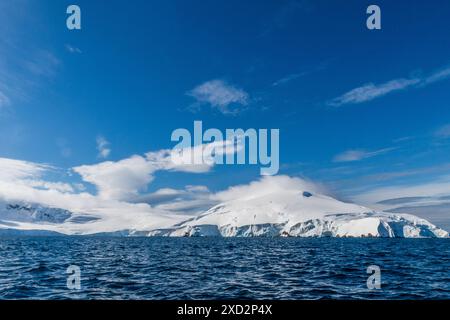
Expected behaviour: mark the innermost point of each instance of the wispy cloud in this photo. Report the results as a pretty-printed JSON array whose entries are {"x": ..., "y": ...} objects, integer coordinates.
[
  {"x": 46, "y": 185},
  {"x": 429, "y": 200},
  {"x": 293, "y": 76},
  {"x": 23, "y": 72},
  {"x": 357, "y": 155},
  {"x": 30, "y": 174},
  {"x": 191, "y": 199},
  {"x": 42, "y": 63},
  {"x": 103, "y": 147},
  {"x": 438, "y": 76},
  {"x": 443, "y": 132},
  {"x": 4, "y": 100},
  {"x": 288, "y": 78},
  {"x": 438, "y": 188},
  {"x": 285, "y": 14},
  {"x": 220, "y": 95},
  {"x": 25, "y": 66},
  {"x": 372, "y": 91},
  {"x": 13, "y": 170},
  {"x": 73, "y": 49}
]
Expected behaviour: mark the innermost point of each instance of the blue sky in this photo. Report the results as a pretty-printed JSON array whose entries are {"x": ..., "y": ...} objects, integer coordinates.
[{"x": 359, "y": 111}]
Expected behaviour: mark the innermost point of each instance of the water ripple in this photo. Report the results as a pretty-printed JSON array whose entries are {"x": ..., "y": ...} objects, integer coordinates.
[{"x": 217, "y": 268}]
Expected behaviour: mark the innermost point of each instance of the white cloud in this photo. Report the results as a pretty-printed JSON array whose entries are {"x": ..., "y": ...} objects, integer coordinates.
[
  {"x": 266, "y": 185},
  {"x": 119, "y": 204},
  {"x": 22, "y": 181},
  {"x": 202, "y": 157},
  {"x": 125, "y": 179},
  {"x": 42, "y": 184},
  {"x": 190, "y": 200},
  {"x": 13, "y": 170},
  {"x": 189, "y": 207},
  {"x": 429, "y": 200},
  {"x": 112, "y": 215},
  {"x": 371, "y": 91},
  {"x": 201, "y": 189},
  {"x": 357, "y": 155},
  {"x": 220, "y": 95},
  {"x": 438, "y": 76},
  {"x": 118, "y": 180},
  {"x": 103, "y": 147},
  {"x": 194, "y": 199},
  {"x": 30, "y": 174},
  {"x": 184, "y": 160}
]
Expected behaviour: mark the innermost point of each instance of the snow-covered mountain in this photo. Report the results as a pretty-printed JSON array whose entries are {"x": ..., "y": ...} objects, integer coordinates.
[
  {"x": 25, "y": 218},
  {"x": 288, "y": 212},
  {"x": 299, "y": 214},
  {"x": 35, "y": 213}
]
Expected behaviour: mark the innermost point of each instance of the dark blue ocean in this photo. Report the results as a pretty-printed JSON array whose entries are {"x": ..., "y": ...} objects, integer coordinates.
[{"x": 218, "y": 268}]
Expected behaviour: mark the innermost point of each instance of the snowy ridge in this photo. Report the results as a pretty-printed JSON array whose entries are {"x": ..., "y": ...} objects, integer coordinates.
[
  {"x": 26, "y": 212},
  {"x": 300, "y": 214}
]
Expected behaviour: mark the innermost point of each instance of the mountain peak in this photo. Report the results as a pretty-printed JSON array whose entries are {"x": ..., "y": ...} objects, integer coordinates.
[{"x": 300, "y": 214}]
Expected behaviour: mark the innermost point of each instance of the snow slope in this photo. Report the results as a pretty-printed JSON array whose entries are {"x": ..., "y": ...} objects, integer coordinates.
[
  {"x": 23, "y": 218},
  {"x": 299, "y": 214},
  {"x": 25, "y": 212}
]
